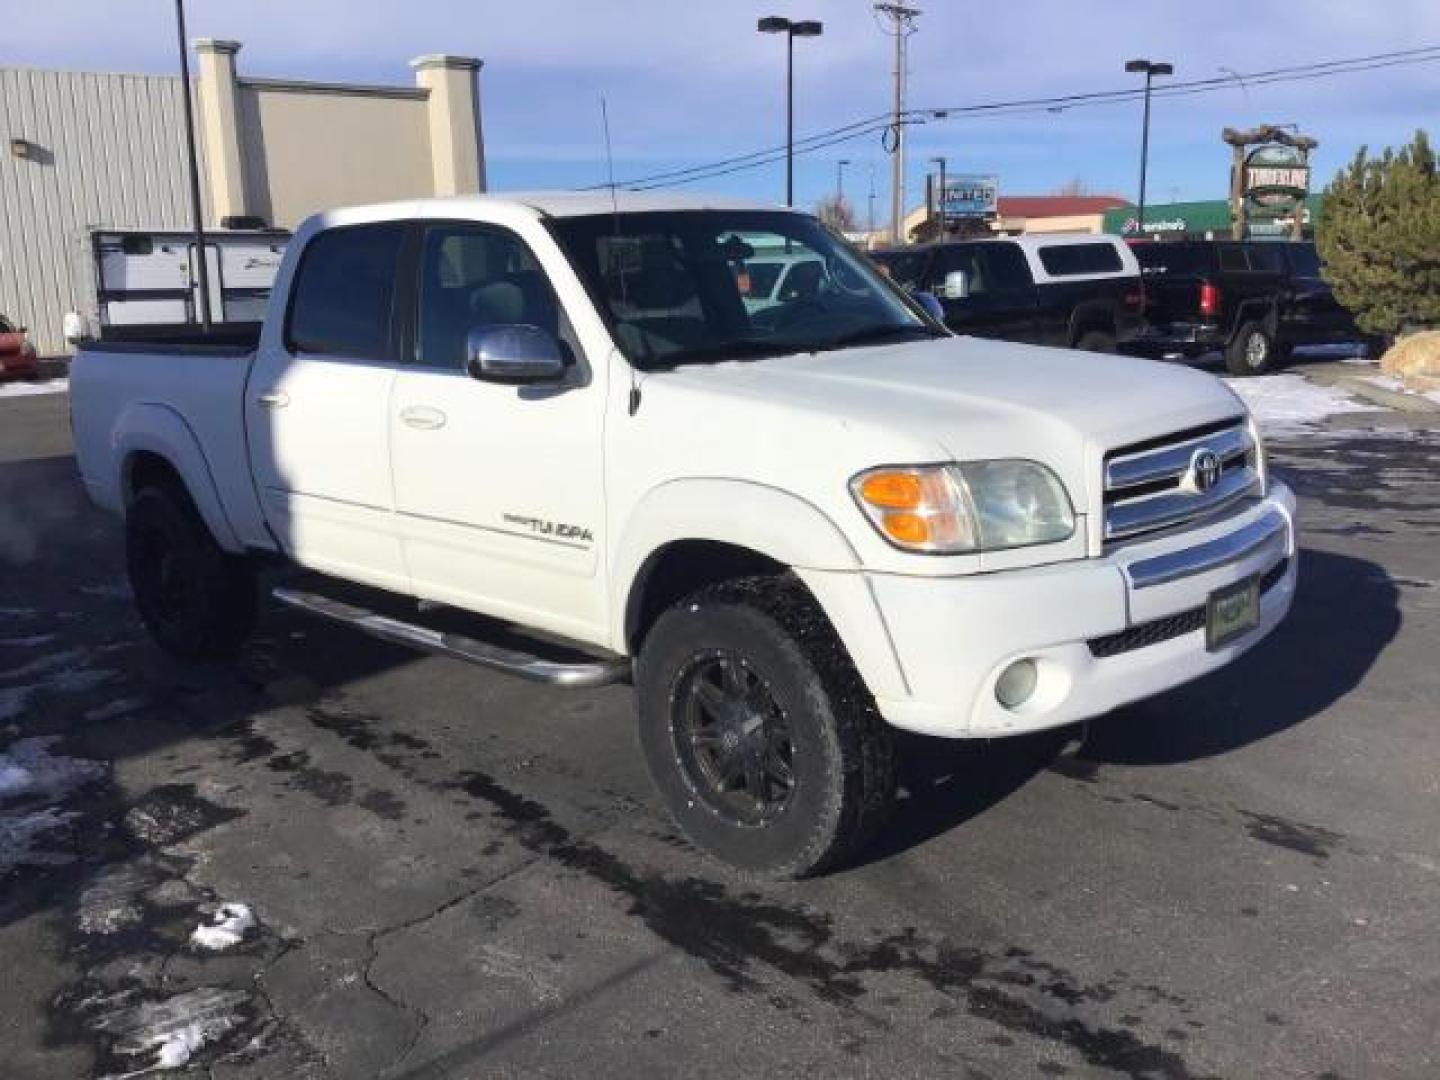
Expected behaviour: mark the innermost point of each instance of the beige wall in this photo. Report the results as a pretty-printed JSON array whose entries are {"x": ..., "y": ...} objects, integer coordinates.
[{"x": 308, "y": 147}]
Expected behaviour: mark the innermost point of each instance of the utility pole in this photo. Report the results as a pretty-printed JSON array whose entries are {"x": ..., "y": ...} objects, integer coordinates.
[
  {"x": 902, "y": 25},
  {"x": 870, "y": 226},
  {"x": 200, "y": 265},
  {"x": 840, "y": 180}
]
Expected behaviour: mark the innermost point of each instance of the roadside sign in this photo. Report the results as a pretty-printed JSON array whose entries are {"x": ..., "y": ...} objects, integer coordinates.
[{"x": 970, "y": 196}]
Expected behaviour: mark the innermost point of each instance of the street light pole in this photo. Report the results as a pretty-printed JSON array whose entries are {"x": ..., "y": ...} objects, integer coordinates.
[
  {"x": 775, "y": 24},
  {"x": 1150, "y": 69},
  {"x": 840, "y": 180},
  {"x": 940, "y": 199},
  {"x": 200, "y": 265}
]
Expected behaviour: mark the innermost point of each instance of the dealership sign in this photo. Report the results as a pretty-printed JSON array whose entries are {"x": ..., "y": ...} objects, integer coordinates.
[
  {"x": 970, "y": 196},
  {"x": 1276, "y": 177}
]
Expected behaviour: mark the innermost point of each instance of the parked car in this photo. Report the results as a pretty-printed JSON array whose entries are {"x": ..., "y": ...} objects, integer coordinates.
[
  {"x": 17, "y": 355},
  {"x": 792, "y": 531},
  {"x": 1078, "y": 291},
  {"x": 1252, "y": 300},
  {"x": 767, "y": 281}
]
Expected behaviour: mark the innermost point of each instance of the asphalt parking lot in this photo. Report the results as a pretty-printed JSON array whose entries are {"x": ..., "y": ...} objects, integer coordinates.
[{"x": 458, "y": 874}]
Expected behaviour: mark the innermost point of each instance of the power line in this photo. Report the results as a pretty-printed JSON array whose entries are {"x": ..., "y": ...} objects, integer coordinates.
[{"x": 1056, "y": 103}]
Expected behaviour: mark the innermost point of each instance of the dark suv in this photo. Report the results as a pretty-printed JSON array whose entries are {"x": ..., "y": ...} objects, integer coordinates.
[
  {"x": 1079, "y": 291},
  {"x": 1253, "y": 300}
]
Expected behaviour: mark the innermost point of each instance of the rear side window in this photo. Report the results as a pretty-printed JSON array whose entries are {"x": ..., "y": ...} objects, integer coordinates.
[
  {"x": 1174, "y": 259},
  {"x": 344, "y": 292},
  {"x": 1232, "y": 257},
  {"x": 1065, "y": 260},
  {"x": 1267, "y": 257}
]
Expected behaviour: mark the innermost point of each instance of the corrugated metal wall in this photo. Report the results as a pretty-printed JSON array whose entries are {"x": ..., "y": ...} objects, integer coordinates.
[{"x": 111, "y": 153}]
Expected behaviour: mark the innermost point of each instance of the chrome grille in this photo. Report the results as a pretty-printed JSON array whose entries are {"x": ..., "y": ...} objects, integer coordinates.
[{"x": 1156, "y": 485}]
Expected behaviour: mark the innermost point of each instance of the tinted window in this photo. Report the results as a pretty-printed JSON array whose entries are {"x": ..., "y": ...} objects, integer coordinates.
[
  {"x": 989, "y": 267},
  {"x": 905, "y": 268},
  {"x": 1176, "y": 259},
  {"x": 1063, "y": 260},
  {"x": 1232, "y": 257},
  {"x": 1304, "y": 259},
  {"x": 1268, "y": 257},
  {"x": 344, "y": 289},
  {"x": 1006, "y": 266},
  {"x": 473, "y": 276}
]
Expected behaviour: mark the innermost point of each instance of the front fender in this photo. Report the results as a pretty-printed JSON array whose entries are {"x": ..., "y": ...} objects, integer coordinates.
[
  {"x": 149, "y": 427},
  {"x": 769, "y": 522}
]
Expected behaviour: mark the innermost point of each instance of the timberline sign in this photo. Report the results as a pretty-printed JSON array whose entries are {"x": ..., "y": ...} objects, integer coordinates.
[{"x": 1276, "y": 177}]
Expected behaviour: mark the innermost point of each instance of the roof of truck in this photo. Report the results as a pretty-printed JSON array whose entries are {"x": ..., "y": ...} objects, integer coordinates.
[{"x": 582, "y": 203}]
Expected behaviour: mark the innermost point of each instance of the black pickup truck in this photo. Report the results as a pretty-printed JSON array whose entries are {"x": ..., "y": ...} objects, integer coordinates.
[
  {"x": 1077, "y": 291},
  {"x": 1252, "y": 300}
]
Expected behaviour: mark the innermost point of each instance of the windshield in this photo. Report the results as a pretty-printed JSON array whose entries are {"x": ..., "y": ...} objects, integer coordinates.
[{"x": 699, "y": 286}]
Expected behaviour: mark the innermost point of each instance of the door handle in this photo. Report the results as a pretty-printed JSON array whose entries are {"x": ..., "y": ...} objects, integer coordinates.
[
  {"x": 422, "y": 417},
  {"x": 273, "y": 399}
]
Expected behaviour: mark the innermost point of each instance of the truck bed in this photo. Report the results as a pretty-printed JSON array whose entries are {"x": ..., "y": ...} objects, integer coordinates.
[{"x": 181, "y": 400}]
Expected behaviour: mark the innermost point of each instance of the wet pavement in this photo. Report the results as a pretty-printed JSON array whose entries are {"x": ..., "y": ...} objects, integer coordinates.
[{"x": 457, "y": 874}]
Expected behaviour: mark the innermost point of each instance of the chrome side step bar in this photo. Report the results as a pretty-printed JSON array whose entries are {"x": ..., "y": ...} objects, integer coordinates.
[{"x": 598, "y": 672}]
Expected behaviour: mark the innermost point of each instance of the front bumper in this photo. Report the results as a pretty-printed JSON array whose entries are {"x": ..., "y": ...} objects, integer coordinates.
[{"x": 1102, "y": 631}]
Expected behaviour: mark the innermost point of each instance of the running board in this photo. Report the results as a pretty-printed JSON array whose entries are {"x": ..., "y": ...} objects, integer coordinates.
[{"x": 571, "y": 676}]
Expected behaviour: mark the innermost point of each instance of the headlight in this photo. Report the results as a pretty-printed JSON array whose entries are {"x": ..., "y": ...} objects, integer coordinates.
[
  {"x": 1257, "y": 455},
  {"x": 975, "y": 506}
]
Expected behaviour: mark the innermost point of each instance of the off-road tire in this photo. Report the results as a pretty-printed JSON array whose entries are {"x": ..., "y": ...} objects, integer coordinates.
[
  {"x": 197, "y": 601},
  {"x": 1096, "y": 341},
  {"x": 1251, "y": 351},
  {"x": 844, "y": 766}
]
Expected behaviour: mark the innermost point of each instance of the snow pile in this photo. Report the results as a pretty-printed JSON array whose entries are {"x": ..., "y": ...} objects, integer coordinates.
[
  {"x": 227, "y": 927},
  {"x": 30, "y": 389},
  {"x": 1291, "y": 404}
]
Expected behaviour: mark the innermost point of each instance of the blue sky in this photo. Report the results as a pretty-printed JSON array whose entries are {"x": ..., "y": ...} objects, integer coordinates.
[{"x": 690, "y": 81}]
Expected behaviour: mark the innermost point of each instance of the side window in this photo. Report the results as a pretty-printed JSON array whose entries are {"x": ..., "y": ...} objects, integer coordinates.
[
  {"x": 473, "y": 276},
  {"x": 1063, "y": 260},
  {"x": 344, "y": 292},
  {"x": 1005, "y": 266},
  {"x": 803, "y": 281},
  {"x": 961, "y": 257},
  {"x": 1268, "y": 257},
  {"x": 1232, "y": 257}
]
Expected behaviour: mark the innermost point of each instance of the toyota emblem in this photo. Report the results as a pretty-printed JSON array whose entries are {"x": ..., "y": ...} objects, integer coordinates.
[{"x": 1204, "y": 469}]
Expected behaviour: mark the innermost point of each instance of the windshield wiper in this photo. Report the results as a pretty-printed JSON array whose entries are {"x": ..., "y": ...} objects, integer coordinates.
[{"x": 870, "y": 335}]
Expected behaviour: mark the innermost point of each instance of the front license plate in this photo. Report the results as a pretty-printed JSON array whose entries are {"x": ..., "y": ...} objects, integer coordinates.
[{"x": 1231, "y": 611}]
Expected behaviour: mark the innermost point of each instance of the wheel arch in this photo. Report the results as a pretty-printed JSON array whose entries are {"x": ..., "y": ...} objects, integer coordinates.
[{"x": 154, "y": 445}]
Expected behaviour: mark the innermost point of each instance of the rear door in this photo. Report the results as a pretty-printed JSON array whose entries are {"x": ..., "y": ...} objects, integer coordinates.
[
  {"x": 1002, "y": 300},
  {"x": 317, "y": 407}
]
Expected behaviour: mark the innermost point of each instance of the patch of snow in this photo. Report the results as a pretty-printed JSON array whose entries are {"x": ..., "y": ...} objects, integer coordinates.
[
  {"x": 111, "y": 902},
  {"x": 175, "y": 1029},
  {"x": 34, "y": 782},
  {"x": 13, "y": 779},
  {"x": 30, "y": 389},
  {"x": 115, "y": 709},
  {"x": 1291, "y": 404},
  {"x": 28, "y": 642},
  {"x": 227, "y": 927}
]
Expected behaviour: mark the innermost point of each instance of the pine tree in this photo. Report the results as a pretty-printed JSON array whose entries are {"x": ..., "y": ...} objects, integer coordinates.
[{"x": 1379, "y": 238}]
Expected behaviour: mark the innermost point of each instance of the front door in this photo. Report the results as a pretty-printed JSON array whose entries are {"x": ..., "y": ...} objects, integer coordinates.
[
  {"x": 317, "y": 408},
  {"x": 498, "y": 487},
  {"x": 1002, "y": 300}
]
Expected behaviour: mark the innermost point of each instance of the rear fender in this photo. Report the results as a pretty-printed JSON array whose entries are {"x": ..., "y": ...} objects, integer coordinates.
[{"x": 148, "y": 427}]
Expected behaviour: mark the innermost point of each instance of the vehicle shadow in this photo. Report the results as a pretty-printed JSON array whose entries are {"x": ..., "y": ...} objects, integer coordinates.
[{"x": 1346, "y": 611}]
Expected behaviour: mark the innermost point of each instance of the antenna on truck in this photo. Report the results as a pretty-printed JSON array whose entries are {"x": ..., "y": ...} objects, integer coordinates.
[{"x": 615, "y": 213}]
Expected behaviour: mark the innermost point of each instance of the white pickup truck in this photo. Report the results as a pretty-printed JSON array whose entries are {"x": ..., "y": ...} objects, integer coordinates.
[{"x": 793, "y": 528}]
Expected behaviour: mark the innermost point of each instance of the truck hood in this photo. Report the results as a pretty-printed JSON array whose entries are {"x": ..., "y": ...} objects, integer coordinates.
[{"x": 956, "y": 399}]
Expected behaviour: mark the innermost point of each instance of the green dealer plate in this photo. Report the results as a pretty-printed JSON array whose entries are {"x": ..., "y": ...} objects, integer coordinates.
[{"x": 1231, "y": 611}]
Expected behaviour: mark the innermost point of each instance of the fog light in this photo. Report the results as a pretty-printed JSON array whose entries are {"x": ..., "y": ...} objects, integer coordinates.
[{"x": 1016, "y": 684}]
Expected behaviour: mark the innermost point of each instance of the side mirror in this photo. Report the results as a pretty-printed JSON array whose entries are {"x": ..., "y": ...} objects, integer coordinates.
[
  {"x": 513, "y": 353},
  {"x": 956, "y": 285},
  {"x": 932, "y": 306}
]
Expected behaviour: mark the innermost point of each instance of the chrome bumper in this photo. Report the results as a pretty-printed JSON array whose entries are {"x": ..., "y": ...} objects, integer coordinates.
[{"x": 1270, "y": 531}]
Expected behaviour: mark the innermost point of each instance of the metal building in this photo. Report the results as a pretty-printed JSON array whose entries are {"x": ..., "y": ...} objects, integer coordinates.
[{"x": 87, "y": 151}]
